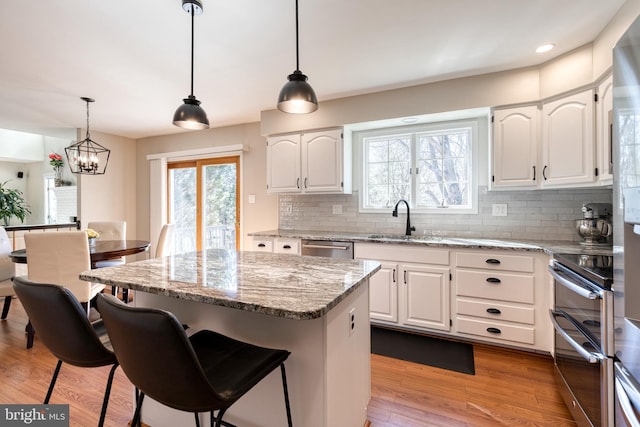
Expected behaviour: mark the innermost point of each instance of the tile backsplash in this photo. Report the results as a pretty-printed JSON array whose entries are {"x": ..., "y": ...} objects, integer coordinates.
[{"x": 531, "y": 215}]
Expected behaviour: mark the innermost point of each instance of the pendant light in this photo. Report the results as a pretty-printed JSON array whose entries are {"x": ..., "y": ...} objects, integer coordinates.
[
  {"x": 190, "y": 115},
  {"x": 87, "y": 156},
  {"x": 297, "y": 96}
]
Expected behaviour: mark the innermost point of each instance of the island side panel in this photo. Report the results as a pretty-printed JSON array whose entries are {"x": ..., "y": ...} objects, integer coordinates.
[
  {"x": 349, "y": 360},
  {"x": 310, "y": 373}
]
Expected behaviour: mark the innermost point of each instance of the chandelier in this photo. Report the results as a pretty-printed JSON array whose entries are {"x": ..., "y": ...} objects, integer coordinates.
[{"x": 87, "y": 156}]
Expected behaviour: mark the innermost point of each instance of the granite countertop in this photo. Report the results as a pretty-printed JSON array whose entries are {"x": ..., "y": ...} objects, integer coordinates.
[
  {"x": 286, "y": 286},
  {"x": 548, "y": 247}
]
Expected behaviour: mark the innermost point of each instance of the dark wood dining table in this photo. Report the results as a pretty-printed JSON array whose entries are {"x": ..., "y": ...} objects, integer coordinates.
[{"x": 103, "y": 250}]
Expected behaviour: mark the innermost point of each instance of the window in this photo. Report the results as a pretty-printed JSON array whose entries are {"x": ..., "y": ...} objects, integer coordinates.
[
  {"x": 203, "y": 203},
  {"x": 431, "y": 166}
]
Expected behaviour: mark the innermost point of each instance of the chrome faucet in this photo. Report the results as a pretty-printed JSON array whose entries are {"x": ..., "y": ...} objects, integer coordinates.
[{"x": 395, "y": 213}]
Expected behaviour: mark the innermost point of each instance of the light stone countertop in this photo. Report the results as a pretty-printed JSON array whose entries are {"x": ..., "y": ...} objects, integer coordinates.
[
  {"x": 288, "y": 286},
  {"x": 549, "y": 247}
]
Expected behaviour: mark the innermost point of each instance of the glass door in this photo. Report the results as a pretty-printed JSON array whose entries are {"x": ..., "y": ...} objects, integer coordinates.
[{"x": 204, "y": 203}]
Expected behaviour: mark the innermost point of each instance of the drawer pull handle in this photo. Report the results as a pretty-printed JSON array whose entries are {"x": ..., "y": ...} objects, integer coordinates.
[
  {"x": 286, "y": 247},
  {"x": 262, "y": 245},
  {"x": 493, "y": 280},
  {"x": 493, "y": 261},
  {"x": 494, "y": 331},
  {"x": 493, "y": 311}
]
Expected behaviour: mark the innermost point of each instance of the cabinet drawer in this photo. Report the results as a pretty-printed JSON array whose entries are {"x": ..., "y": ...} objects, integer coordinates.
[
  {"x": 262, "y": 245},
  {"x": 495, "y": 261},
  {"x": 496, "y": 330},
  {"x": 286, "y": 246},
  {"x": 495, "y": 311},
  {"x": 498, "y": 286}
]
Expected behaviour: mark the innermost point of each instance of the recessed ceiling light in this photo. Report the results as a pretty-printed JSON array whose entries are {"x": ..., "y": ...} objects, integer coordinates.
[
  {"x": 545, "y": 48},
  {"x": 410, "y": 119}
]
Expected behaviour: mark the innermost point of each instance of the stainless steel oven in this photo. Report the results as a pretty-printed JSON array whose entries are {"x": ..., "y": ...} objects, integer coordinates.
[{"x": 583, "y": 320}]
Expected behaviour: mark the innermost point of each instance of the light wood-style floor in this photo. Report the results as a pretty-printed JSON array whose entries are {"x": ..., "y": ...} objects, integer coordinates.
[{"x": 509, "y": 388}]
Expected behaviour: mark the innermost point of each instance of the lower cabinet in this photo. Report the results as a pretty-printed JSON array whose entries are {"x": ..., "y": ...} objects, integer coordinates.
[
  {"x": 276, "y": 245},
  {"x": 425, "y": 297},
  {"x": 500, "y": 297},
  {"x": 412, "y": 289},
  {"x": 383, "y": 293},
  {"x": 503, "y": 298}
]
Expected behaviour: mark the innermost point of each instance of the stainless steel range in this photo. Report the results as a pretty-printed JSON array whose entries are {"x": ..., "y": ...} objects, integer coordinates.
[{"x": 584, "y": 345}]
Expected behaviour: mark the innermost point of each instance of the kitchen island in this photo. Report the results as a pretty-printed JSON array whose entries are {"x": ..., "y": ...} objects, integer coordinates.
[{"x": 317, "y": 308}]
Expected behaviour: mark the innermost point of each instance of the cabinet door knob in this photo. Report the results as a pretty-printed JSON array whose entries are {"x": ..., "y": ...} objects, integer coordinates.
[
  {"x": 493, "y": 311},
  {"x": 493, "y": 280},
  {"x": 494, "y": 331},
  {"x": 262, "y": 245},
  {"x": 493, "y": 261}
]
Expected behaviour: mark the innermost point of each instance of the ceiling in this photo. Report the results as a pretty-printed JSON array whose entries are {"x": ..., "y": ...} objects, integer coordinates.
[{"x": 133, "y": 56}]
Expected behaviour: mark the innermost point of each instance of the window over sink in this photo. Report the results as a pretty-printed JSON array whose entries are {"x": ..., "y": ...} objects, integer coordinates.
[{"x": 432, "y": 166}]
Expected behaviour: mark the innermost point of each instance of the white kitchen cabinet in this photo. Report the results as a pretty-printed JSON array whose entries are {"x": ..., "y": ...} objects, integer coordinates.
[
  {"x": 568, "y": 143},
  {"x": 283, "y": 164},
  {"x": 604, "y": 140},
  {"x": 279, "y": 245},
  {"x": 312, "y": 162},
  {"x": 503, "y": 297},
  {"x": 286, "y": 246},
  {"x": 425, "y": 297},
  {"x": 412, "y": 290},
  {"x": 383, "y": 293},
  {"x": 515, "y": 147}
]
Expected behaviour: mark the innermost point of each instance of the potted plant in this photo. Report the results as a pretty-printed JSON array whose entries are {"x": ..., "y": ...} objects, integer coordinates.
[{"x": 12, "y": 204}]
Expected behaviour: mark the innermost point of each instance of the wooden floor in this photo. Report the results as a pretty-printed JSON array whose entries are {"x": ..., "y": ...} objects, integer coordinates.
[{"x": 509, "y": 388}]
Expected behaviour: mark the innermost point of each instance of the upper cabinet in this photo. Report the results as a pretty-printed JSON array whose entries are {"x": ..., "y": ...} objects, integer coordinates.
[
  {"x": 515, "y": 147},
  {"x": 604, "y": 137},
  {"x": 312, "y": 162},
  {"x": 568, "y": 144}
]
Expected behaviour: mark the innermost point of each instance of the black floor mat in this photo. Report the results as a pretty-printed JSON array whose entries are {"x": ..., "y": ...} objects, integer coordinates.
[{"x": 441, "y": 353}]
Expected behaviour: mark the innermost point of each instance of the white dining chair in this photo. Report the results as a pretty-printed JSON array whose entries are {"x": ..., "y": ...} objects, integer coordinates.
[
  {"x": 7, "y": 272},
  {"x": 58, "y": 258},
  {"x": 165, "y": 240},
  {"x": 110, "y": 230}
]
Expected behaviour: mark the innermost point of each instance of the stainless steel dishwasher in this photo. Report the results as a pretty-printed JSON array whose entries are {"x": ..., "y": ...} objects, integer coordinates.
[{"x": 327, "y": 248}]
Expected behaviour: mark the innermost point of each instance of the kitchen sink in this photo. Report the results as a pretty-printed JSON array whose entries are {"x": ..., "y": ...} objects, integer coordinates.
[
  {"x": 390, "y": 236},
  {"x": 405, "y": 238}
]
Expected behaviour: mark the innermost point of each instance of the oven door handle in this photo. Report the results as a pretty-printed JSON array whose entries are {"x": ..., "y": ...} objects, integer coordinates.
[
  {"x": 567, "y": 283},
  {"x": 587, "y": 355},
  {"x": 628, "y": 394}
]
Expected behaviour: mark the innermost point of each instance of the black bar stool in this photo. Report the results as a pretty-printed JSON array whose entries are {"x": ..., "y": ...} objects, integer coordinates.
[{"x": 215, "y": 370}]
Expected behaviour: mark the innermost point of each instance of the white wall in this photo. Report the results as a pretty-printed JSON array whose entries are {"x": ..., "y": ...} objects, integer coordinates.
[{"x": 112, "y": 196}]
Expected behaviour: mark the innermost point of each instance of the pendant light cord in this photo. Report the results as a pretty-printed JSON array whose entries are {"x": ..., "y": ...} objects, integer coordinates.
[
  {"x": 297, "y": 42},
  {"x": 192, "y": 33}
]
